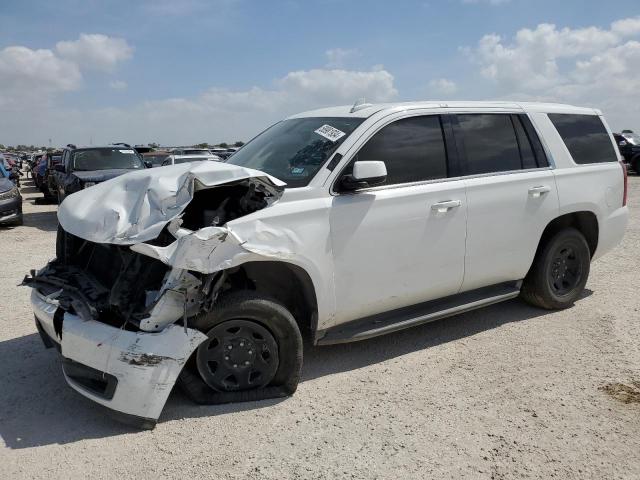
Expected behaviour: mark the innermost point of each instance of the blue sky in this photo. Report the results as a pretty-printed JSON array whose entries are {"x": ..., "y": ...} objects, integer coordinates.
[{"x": 196, "y": 70}]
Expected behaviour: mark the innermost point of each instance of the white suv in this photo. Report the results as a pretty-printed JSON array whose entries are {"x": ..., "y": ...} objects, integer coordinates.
[{"x": 391, "y": 216}]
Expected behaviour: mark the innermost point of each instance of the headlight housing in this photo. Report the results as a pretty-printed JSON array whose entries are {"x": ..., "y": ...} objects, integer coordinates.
[
  {"x": 88, "y": 184},
  {"x": 13, "y": 193}
]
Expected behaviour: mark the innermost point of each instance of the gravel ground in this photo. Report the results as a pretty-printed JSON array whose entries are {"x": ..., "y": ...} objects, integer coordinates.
[{"x": 504, "y": 392}]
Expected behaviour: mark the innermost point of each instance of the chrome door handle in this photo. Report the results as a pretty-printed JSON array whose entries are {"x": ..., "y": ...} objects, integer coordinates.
[
  {"x": 536, "y": 192},
  {"x": 444, "y": 207}
]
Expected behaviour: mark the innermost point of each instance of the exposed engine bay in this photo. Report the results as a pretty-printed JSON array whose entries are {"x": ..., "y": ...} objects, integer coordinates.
[{"x": 121, "y": 287}]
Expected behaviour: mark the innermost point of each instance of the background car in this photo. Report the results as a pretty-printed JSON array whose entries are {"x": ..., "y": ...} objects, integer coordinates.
[
  {"x": 629, "y": 145},
  {"x": 10, "y": 201},
  {"x": 173, "y": 159},
  {"x": 155, "y": 158},
  {"x": 81, "y": 168}
]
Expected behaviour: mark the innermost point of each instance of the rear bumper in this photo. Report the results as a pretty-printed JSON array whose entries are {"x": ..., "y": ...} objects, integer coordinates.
[
  {"x": 611, "y": 231},
  {"x": 130, "y": 373}
]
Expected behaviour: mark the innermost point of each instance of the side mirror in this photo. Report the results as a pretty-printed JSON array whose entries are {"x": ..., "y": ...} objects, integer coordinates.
[
  {"x": 148, "y": 164},
  {"x": 365, "y": 174},
  {"x": 622, "y": 143},
  {"x": 59, "y": 168}
]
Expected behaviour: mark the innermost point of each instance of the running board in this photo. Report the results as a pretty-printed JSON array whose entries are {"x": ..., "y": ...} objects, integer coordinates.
[{"x": 407, "y": 317}]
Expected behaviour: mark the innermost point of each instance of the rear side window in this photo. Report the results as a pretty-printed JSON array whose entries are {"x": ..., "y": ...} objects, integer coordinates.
[
  {"x": 412, "y": 149},
  {"x": 585, "y": 137},
  {"x": 490, "y": 143},
  {"x": 526, "y": 150}
]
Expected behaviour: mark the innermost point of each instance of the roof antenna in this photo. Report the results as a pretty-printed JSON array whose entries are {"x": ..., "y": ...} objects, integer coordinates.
[{"x": 359, "y": 105}]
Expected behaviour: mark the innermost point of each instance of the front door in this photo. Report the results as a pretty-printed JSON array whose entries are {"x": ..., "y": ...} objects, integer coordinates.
[{"x": 403, "y": 242}]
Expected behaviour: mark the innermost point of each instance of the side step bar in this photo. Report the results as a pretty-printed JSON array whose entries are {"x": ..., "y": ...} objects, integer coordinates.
[{"x": 407, "y": 317}]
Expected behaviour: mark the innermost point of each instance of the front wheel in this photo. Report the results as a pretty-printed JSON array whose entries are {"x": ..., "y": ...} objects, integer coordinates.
[
  {"x": 559, "y": 271},
  {"x": 253, "y": 351}
]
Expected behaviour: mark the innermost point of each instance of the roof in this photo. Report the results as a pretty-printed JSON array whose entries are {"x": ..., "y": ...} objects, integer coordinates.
[{"x": 365, "y": 111}]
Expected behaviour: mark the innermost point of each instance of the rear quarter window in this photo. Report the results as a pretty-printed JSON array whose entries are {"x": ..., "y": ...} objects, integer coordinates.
[{"x": 585, "y": 136}]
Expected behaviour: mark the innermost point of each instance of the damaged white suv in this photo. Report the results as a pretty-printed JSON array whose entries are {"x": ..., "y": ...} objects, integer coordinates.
[{"x": 343, "y": 224}]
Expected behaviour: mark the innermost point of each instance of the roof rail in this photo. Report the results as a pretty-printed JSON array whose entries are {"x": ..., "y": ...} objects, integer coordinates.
[{"x": 122, "y": 143}]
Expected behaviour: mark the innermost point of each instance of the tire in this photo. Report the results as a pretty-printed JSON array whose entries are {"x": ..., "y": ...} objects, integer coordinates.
[
  {"x": 559, "y": 271},
  {"x": 242, "y": 312}
]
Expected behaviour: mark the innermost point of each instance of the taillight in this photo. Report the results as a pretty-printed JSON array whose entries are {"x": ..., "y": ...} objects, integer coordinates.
[{"x": 624, "y": 175}]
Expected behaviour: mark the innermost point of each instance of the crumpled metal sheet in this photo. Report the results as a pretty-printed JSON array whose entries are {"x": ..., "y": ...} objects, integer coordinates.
[
  {"x": 135, "y": 207},
  {"x": 212, "y": 249}
]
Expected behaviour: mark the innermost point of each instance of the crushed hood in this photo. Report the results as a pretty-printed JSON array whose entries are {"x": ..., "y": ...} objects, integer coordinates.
[{"x": 135, "y": 207}]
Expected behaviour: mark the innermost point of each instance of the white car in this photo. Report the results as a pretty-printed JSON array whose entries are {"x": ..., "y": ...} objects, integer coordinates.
[
  {"x": 343, "y": 224},
  {"x": 173, "y": 159}
]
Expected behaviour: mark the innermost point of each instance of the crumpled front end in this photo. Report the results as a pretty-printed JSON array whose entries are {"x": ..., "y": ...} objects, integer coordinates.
[{"x": 132, "y": 271}]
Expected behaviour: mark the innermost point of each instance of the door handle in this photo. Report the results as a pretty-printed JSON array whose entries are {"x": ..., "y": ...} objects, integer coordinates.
[
  {"x": 444, "y": 207},
  {"x": 536, "y": 192}
]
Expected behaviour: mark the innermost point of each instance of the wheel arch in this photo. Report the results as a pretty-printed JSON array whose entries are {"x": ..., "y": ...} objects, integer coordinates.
[
  {"x": 586, "y": 222},
  {"x": 289, "y": 284}
]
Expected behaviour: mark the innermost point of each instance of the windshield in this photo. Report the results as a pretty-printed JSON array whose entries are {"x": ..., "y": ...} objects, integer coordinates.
[
  {"x": 190, "y": 159},
  {"x": 106, "y": 158},
  {"x": 294, "y": 150},
  {"x": 632, "y": 138}
]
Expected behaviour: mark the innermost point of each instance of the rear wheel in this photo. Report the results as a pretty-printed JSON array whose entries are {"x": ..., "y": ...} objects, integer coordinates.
[{"x": 559, "y": 271}]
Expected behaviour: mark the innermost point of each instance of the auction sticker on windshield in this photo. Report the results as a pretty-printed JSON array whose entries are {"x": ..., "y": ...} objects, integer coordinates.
[
  {"x": 330, "y": 133},
  {"x": 125, "y": 151}
]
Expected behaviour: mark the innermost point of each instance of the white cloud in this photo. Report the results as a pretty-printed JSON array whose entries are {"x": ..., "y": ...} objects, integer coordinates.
[
  {"x": 215, "y": 115},
  {"x": 118, "y": 85},
  {"x": 34, "y": 75},
  {"x": 95, "y": 51},
  {"x": 590, "y": 66},
  {"x": 627, "y": 26},
  {"x": 338, "y": 57},
  {"x": 443, "y": 86},
  {"x": 34, "y": 78}
]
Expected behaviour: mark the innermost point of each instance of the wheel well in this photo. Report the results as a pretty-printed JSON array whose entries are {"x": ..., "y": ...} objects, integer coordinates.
[
  {"x": 287, "y": 283},
  {"x": 585, "y": 222}
]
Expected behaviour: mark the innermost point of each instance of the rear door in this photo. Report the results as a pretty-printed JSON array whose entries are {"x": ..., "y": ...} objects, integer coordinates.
[{"x": 511, "y": 194}]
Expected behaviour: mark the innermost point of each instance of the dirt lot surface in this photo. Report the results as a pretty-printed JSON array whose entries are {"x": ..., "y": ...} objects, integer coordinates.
[{"x": 504, "y": 392}]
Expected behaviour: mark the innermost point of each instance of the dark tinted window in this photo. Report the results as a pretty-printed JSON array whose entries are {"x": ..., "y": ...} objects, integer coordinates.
[
  {"x": 585, "y": 137},
  {"x": 526, "y": 150},
  {"x": 295, "y": 149},
  {"x": 490, "y": 143},
  {"x": 412, "y": 149}
]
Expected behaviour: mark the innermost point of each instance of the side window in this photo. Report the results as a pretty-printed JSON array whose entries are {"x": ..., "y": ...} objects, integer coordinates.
[
  {"x": 413, "y": 150},
  {"x": 526, "y": 148},
  {"x": 490, "y": 143},
  {"x": 585, "y": 137}
]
